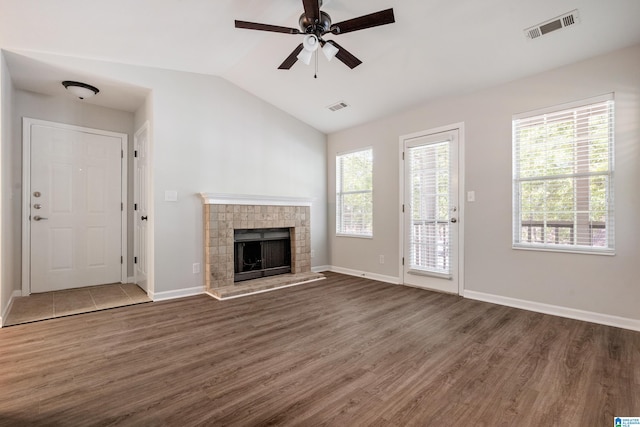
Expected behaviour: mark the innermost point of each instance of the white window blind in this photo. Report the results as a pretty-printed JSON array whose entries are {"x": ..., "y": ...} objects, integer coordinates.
[
  {"x": 430, "y": 187},
  {"x": 563, "y": 178},
  {"x": 354, "y": 193}
]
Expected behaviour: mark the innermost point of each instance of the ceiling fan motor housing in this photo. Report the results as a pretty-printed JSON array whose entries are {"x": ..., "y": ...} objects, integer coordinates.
[{"x": 322, "y": 26}]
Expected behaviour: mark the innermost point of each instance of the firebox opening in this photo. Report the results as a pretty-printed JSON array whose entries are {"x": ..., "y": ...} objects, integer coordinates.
[{"x": 261, "y": 252}]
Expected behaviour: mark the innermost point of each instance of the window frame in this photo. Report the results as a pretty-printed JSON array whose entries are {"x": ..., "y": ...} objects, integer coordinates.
[
  {"x": 517, "y": 180},
  {"x": 339, "y": 229}
]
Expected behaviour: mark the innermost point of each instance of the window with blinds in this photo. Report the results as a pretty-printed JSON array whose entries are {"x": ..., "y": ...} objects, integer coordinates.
[
  {"x": 563, "y": 167},
  {"x": 354, "y": 193}
]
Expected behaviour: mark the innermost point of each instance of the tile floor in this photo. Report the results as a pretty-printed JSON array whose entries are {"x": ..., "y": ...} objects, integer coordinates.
[{"x": 74, "y": 301}]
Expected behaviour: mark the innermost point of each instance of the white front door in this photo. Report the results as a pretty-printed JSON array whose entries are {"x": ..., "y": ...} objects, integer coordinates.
[
  {"x": 141, "y": 207},
  {"x": 431, "y": 210},
  {"x": 75, "y": 207}
]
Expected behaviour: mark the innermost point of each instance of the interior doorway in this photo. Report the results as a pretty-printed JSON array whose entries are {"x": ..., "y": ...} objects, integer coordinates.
[{"x": 141, "y": 207}]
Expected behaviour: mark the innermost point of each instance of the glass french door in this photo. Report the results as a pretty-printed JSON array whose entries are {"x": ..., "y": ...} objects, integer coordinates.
[{"x": 430, "y": 220}]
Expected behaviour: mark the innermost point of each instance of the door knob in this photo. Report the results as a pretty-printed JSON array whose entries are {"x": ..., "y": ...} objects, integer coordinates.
[
  {"x": 39, "y": 218},
  {"x": 454, "y": 220},
  {"x": 143, "y": 218}
]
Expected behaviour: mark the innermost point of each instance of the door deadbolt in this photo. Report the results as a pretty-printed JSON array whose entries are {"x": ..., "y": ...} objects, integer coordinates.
[{"x": 37, "y": 194}]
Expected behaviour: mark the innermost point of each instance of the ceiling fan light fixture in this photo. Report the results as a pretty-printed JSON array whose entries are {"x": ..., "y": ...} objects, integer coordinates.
[
  {"x": 329, "y": 51},
  {"x": 310, "y": 42},
  {"x": 315, "y": 24},
  {"x": 305, "y": 56},
  {"x": 79, "y": 89}
]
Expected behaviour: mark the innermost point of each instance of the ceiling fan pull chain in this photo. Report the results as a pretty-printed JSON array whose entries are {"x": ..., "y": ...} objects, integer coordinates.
[{"x": 315, "y": 76}]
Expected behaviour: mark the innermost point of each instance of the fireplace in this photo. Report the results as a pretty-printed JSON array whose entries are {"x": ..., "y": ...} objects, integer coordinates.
[
  {"x": 261, "y": 253},
  {"x": 227, "y": 217}
]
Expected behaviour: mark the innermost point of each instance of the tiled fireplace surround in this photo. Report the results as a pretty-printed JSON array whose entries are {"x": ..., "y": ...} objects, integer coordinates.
[{"x": 224, "y": 213}]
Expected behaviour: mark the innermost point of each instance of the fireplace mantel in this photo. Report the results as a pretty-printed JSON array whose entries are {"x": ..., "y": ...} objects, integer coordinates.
[{"x": 245, "y": 199}]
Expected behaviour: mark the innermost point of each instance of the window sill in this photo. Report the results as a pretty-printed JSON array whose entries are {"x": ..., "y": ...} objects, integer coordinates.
[
  {"x": 357, "y": 236},
  {"x": 605, "y": 252}
]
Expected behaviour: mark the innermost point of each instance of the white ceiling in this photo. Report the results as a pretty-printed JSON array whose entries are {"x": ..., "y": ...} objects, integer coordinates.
[{"x": 434, "y": 49}]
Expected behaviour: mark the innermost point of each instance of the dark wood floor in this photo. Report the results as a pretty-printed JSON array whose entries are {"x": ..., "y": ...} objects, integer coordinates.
[{"x": 344, "y": 351}]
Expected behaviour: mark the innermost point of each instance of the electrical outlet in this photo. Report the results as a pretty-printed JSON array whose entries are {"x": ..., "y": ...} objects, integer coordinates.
[
  {"x": 381, "y": 259},
  {"x": 196, "y": 267}
]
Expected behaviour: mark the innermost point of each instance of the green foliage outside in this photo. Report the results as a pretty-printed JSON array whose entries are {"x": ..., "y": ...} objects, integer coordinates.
[
  {"x": 354, "y": 193},
  {"x": 563, "y": 180}
]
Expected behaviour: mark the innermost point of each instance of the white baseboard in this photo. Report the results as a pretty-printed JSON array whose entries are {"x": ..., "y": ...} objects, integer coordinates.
[
  {"x": 5, "y": 312},
  {"x": 321, "y": 268},
  {"x": 178, "y": 293},
  {"x": 571, "y": 313},
  {"x": 379, "y": 277}
]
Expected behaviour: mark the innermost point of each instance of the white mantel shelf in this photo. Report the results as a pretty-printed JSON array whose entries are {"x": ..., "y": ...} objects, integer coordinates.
[{"x": 243, "y": 199}]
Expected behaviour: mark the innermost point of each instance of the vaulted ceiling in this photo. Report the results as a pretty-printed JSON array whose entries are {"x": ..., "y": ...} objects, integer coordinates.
[{"x": 435, "y": 48}]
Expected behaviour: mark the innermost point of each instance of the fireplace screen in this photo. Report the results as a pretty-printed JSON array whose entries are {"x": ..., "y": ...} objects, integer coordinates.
[{"x": 261, "y": 252}]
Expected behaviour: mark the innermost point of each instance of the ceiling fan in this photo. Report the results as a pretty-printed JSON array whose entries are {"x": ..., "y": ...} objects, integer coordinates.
[{"x": 315, "y": 24}]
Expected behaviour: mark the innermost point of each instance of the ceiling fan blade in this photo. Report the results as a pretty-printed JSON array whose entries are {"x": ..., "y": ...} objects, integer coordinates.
[
  {"x": 345, "y": 56},
  {"x": 266, "y": 27},
  {"x": 291, "y": 59},
  {"x": 366, "y": 21},
  {"x": 311, "y": 9}
]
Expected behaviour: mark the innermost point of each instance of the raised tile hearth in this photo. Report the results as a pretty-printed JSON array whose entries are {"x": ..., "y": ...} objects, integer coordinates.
[
  {"x": 265, "y": 284},
  {"x": 225, "y": 213}
]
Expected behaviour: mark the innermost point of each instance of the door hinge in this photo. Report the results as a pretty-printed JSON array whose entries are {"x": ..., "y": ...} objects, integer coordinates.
[
  {"x": 402, "y": 260},
  {"x": 403, "y": 155},
  {"x": 121, "y": 259},
  {"x": 121, "y": 206},
  {"x": 135, "y": 206},
  {"x": 403, "y": 208},
  {"x": 135, "y": 259},
  {"x": 135, "y": 153},
  {"x": 122, "y": 154}
]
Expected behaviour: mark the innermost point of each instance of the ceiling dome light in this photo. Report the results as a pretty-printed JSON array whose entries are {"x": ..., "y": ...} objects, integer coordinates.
[{"x": 81, "y": 90}]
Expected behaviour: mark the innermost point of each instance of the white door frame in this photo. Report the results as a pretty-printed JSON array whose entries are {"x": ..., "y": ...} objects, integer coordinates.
[
  {"x": 461, "y": 200},
  {"x": 26, "y": 193},
  {"x": 149, "y": 242}
]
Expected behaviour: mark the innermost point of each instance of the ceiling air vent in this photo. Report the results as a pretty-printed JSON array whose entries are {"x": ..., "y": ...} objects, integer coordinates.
[
  {"x": 337, "y": 106},
  {"x": 562, "y": 21}
]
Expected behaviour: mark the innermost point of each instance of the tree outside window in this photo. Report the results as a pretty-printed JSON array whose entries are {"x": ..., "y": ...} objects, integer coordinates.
[
  {"x": 354, "y": 193},
  {"x": 563, "y": 179}
]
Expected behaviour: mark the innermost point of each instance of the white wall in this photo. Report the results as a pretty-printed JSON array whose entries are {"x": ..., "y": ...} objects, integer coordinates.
[
  {"x": 10, "y": 267},
  {"x": 598, "y": 284},
  {"x": 210, "y": 136}
]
